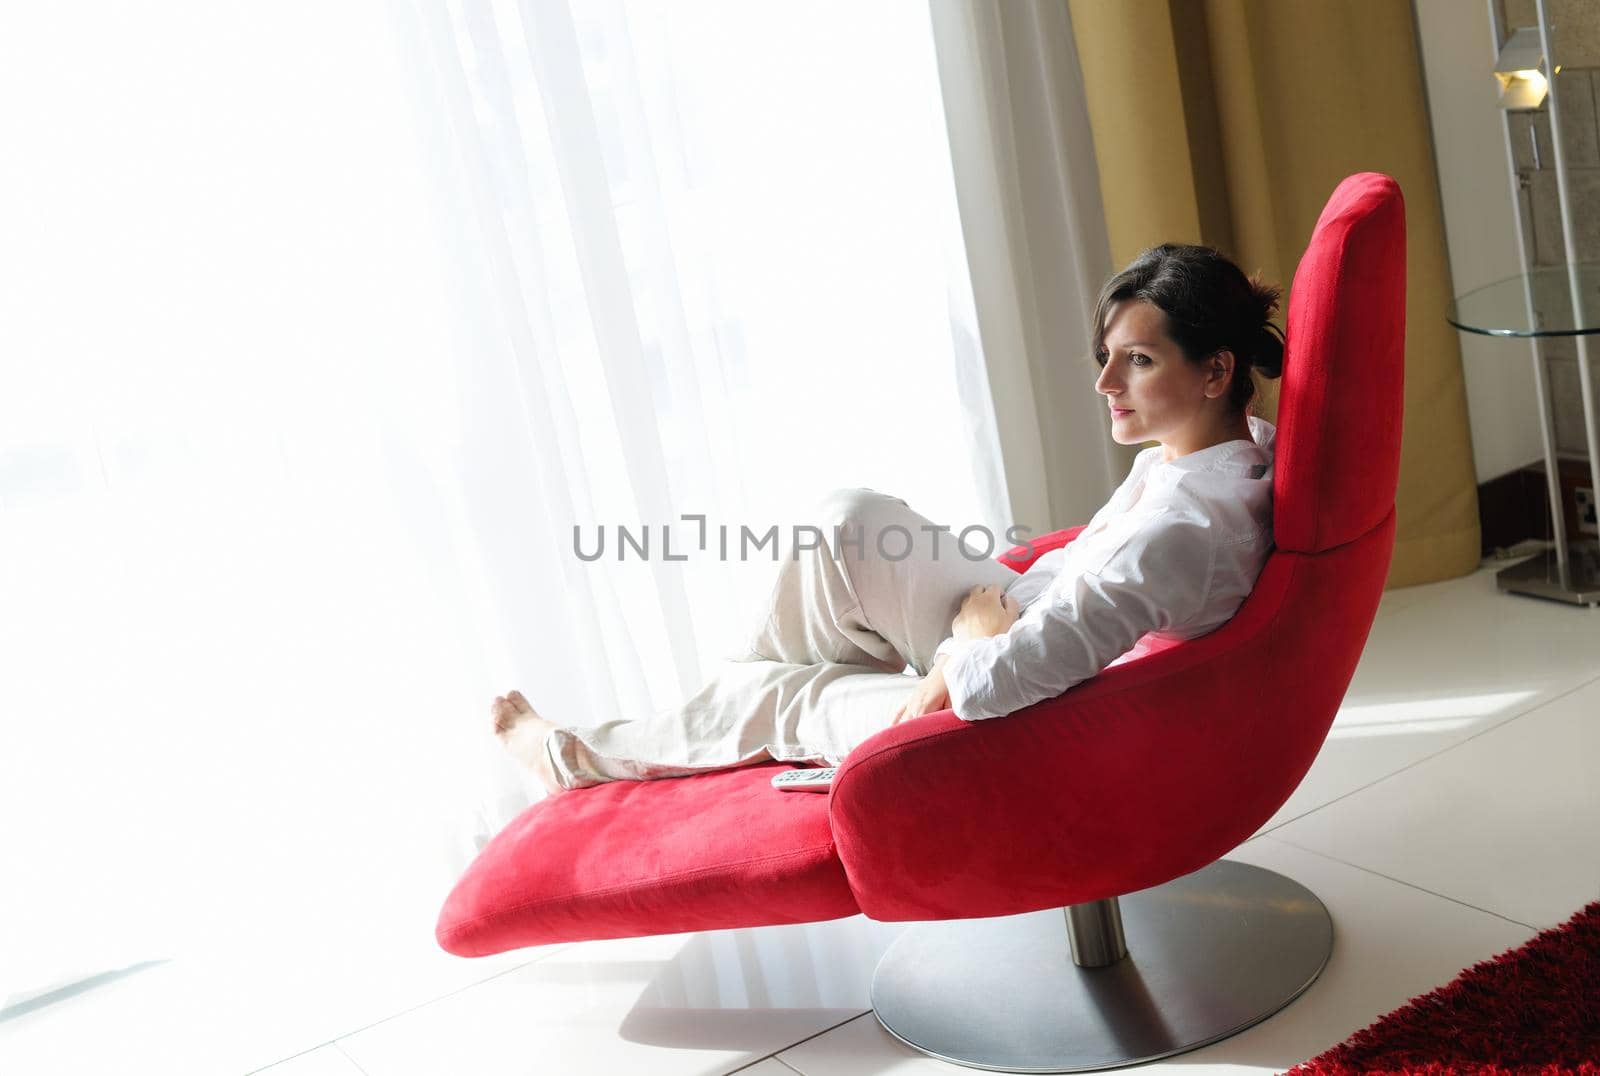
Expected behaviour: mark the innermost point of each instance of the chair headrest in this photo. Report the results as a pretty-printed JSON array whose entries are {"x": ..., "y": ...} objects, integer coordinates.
[{"x": 1337, "y": 459}]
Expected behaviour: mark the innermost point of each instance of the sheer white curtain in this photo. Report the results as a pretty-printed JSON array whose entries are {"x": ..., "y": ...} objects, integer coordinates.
[
  {"x": 718, "y": 247},
  {"x": 322, "y": 326},
  {"x": 1036, "y": 240}
]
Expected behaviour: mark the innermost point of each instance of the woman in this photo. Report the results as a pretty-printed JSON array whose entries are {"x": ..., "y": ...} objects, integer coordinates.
[{"x": 1175, "y": 551}]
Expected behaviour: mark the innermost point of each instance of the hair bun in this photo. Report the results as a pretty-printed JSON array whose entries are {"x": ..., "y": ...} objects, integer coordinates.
[{"x": 1268, "y": 357}]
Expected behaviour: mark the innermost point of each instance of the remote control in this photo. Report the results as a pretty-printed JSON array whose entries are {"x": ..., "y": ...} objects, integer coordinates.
[{"x": 812, "y": 780}]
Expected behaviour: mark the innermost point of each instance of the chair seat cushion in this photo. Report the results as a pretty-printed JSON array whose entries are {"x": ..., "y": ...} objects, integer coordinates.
[{"x": 631, "y": 858}]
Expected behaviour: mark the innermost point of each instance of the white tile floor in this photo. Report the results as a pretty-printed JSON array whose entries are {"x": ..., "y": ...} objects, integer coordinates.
[{"x": 1451, "y": 815}]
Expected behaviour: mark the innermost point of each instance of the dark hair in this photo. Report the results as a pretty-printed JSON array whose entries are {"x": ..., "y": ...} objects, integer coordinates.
[{"x": 1210, "y": 305}]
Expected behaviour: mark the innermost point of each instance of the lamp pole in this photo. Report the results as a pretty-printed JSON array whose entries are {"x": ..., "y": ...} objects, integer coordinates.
[
  {"x": 1586, "y": 384},
  {"x": 1547, "y": 437}
]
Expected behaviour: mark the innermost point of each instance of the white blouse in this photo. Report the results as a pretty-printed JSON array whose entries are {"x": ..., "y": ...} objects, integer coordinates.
[{"x": 1173, "y": 553}]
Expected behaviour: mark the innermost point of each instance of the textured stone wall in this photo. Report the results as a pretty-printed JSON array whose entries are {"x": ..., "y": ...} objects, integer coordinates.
[{"x": 1575, "y": 40}]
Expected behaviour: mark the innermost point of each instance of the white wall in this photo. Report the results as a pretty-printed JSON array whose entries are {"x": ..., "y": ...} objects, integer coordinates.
[{"x": 1458, "y": 53}]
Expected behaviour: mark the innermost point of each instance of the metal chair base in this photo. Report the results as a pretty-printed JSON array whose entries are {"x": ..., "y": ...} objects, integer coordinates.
[{"x": 1208, "y": 955}]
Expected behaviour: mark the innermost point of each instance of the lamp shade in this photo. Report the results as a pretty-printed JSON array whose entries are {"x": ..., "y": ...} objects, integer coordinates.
[{"x": 1520, "y": 70}]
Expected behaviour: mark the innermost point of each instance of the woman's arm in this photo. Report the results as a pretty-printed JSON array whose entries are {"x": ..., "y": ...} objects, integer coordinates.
[
  {"x": 984, "y": 612},
  {"x": 1160, "y": 577}
]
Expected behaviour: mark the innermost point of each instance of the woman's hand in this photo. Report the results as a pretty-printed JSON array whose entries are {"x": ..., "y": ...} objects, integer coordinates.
[
  {"x": 929, "y": 696},
  {"x": 985, "y": 611}
]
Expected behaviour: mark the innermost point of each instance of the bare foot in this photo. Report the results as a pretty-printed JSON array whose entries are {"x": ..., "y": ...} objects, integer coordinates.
[{"x": 524, "y": 733}]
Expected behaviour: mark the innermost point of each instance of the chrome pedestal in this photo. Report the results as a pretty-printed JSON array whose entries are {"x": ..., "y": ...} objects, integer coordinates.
[
  {"x": 1543, "y": 576},
  {"x": 1207, "y": 955}
]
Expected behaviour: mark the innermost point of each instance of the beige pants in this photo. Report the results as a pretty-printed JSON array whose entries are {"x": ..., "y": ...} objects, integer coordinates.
[{"x": 826, "y": 669}]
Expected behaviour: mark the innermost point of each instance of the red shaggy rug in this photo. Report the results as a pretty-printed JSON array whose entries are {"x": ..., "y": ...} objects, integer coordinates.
[{"x": 1535, "y": 1009}]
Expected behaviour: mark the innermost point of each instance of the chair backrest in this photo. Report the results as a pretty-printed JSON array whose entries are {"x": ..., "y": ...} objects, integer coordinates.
[{"x": 1337, "y": 458}]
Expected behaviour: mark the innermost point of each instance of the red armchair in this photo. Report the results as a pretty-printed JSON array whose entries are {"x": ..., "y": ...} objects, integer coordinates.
[{"x": 1114, "y": 800}]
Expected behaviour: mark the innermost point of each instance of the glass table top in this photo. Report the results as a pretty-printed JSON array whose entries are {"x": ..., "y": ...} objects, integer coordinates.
[{"x": 1536, "y": 303}]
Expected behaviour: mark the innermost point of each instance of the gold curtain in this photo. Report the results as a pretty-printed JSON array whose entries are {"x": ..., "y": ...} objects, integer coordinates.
[{"x": 1229, "y": 122}]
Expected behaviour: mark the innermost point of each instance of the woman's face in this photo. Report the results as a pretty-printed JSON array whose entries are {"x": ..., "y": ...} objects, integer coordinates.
[{"x": 1155, "y": 393}]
